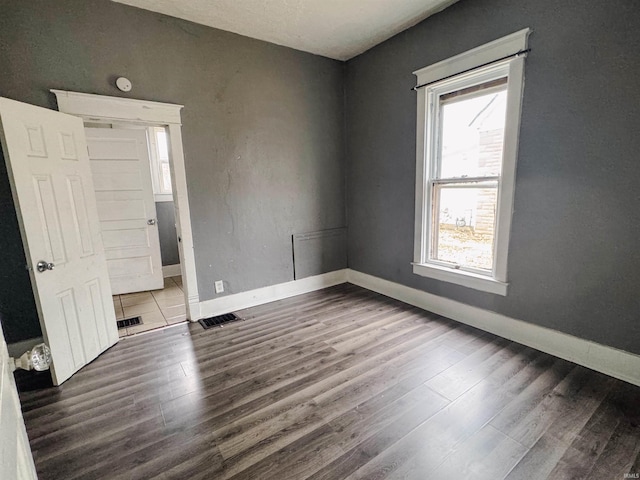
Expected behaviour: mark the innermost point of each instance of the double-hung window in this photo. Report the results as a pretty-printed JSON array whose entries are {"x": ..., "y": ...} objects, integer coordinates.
[{"x": 468, "y": 122}]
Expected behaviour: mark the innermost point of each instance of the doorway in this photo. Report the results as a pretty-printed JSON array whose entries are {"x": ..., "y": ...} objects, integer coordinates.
[
  {"x": 156, "y": 308},
  {"x": 134, "y": 197},
  {"x": 96, "y": 109}
]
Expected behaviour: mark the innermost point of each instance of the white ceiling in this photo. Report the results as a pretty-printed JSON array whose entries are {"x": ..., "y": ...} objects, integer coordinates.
[{"x": 339, "y": 29}]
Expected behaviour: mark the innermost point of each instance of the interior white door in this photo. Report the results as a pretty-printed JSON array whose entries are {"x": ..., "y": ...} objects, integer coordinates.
[
  {"x": 15, "y": 455},
  {"x": 126, "y": 208},
  {"x": 46, "y": 155}
]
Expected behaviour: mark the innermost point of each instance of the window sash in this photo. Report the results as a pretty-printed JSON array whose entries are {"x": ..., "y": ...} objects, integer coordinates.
[
  {"x": 480, "y": 88},
  {"x": 433, "y": 230},
  {"x": 490, "y": 82},
  {"x": 497, "y": 79},
  {"x": 465, "y": 180}
]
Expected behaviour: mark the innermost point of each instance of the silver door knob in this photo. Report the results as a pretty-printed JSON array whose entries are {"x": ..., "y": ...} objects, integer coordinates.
[
  {"x": 43, "y": 266},
  {"x": 151, "y": 221}
]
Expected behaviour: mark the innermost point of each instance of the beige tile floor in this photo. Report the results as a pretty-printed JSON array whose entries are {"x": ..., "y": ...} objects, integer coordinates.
[{"x": 157, "y": 308}]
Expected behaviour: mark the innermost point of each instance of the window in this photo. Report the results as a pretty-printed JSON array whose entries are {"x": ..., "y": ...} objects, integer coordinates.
[
  {"x": 160, "y": 169},
  {"x": 468, "y": 122}
]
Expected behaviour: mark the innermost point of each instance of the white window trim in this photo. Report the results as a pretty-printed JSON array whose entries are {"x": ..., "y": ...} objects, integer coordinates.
[{"x": 472, "y": 59}]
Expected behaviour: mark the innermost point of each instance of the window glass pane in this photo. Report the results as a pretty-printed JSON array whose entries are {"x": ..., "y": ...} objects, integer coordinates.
[
  {"x": 161, "y": 140},
  {"x": 166, "y": 178},
  {"x": 472, "y": 132},
  {"x": 464, "y": 224}
]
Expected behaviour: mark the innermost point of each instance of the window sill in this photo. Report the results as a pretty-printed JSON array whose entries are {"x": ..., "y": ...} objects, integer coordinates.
[
  {"x": 466, "y": 279},
  {"x": 163, "y": 197}
]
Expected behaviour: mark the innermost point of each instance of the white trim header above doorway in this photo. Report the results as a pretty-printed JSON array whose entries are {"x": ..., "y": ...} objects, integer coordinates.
[{"x": 102, "y": 107}]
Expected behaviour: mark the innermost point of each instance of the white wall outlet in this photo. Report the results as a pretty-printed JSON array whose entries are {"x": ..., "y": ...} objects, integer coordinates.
[{"x": 219, "y": 286}]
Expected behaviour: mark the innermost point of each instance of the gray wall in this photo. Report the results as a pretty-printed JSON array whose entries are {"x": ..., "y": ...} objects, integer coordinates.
[
  {"x": 574, "y": 258},
  {"x": 167, "y": 232},
  {"x": 262, "y": 125},
  {"x": 263, "y": 134},
  {"x": 17, "y": 305}
]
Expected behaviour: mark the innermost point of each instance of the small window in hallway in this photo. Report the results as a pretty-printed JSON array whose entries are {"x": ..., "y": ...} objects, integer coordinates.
[{"x": 160, "y": 168}]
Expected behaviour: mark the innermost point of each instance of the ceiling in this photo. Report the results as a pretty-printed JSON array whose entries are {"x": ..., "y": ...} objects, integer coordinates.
[{"x": 339, "y": 29}]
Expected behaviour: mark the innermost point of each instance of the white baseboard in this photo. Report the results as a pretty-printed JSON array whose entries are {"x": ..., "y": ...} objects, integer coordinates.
[
  {"x": 18, "y": 348},
  {"x": 171, "y": 270},
  {"x": 193, "y": 308},
  {"x": 239, "y": 301},
  {"x": 608, "y": 360}
]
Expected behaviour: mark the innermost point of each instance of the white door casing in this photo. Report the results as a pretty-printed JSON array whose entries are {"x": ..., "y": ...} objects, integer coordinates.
[
  {"x": 50, "y": 176},
  {"x": 15, "y": 455},
  {"x": 126, "y": 208},
  {"x": 105, "y": 109}
]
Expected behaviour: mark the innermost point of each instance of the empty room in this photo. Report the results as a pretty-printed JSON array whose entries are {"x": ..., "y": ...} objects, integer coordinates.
[{"x": 296, "y": 239}]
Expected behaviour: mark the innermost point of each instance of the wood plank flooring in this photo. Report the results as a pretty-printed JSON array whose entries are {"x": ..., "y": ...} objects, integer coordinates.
[{"x": 337, "y": 384}]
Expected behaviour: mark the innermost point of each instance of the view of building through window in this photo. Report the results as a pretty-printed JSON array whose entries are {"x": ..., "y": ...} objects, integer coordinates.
[{"x": 465, "y": 188}]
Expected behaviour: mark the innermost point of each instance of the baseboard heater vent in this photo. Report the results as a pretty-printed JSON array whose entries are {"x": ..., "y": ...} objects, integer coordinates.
[
  {"x": 129, "y": 322},
  {"x": 218, "y": 321}
]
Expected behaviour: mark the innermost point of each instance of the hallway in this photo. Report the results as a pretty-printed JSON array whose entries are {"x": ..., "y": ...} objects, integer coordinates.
[{"x": 157, "y": 308}]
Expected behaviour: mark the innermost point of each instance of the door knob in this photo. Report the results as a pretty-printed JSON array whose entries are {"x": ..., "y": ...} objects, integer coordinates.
[
  {"x": 151, "y": 221},
  {"x": 43, "y": 266}
]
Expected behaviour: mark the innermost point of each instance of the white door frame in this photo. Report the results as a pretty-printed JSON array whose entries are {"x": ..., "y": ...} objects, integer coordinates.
[{"x": 101, "y": 108}]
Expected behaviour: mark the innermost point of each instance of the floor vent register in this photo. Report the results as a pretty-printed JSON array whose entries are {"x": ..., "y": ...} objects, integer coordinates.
[
  {"x": 218, "y": 321},
  {"x": 129, "y": 322}
]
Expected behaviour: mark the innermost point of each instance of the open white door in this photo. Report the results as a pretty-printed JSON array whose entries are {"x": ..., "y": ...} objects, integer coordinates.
[
  {"x": 126, "y": 208},
  {"x": 15, "y": 455},
  {"x": 46, "y": 155}
]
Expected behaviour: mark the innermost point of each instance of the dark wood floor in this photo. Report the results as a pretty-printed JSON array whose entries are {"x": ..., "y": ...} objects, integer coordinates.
[{"x": 341, "y": 383}]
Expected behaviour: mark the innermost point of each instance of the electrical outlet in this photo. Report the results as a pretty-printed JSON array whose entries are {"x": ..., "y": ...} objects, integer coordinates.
[{"x": 219, "y": 286}]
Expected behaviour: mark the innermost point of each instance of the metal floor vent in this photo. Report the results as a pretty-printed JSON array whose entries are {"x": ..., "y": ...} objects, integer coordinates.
[
  {"x": 218, "y": 321},
  {"x": 129, "y": 322}
]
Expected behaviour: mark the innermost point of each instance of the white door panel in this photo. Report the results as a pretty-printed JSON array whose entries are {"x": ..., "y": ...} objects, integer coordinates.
[
  {"x": 51, "y": 180},
  {"x": 124, "y": 195},
  {"x": 16, "y": 461}
]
